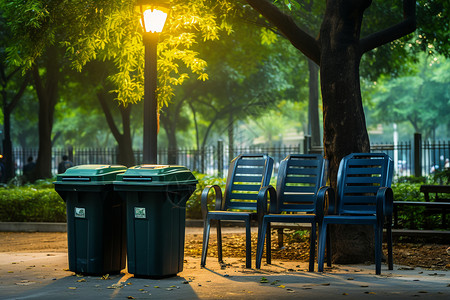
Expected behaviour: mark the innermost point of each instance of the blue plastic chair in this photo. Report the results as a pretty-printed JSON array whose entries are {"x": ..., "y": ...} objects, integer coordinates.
[
  {"x": 294, "y": 201},
  {"x": 246, "y": 175},
  {"x": 363, "y": 196}
]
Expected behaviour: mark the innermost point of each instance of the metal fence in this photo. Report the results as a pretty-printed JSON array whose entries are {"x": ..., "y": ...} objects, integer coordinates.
[{"x": 410, "y": 158}]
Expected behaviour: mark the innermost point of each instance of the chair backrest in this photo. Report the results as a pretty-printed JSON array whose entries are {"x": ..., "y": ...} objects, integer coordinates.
[
  {"x": 300, "y": 177},
  {"x": 360, "y": 175},
  {"x": 246, "y": 175}
]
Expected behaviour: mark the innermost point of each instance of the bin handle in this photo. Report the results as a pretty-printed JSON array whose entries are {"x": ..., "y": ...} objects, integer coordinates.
[
  {"x": 137, "y": 178},
  {"x": 76, "y": 179}
]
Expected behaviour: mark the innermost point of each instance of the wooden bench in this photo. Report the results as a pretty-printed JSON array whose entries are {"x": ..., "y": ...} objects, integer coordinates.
[{"x": 433, "y": 205}]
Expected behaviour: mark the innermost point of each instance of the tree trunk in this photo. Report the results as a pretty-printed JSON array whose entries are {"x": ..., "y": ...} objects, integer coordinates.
[
  {"x": 126, "y": 154},
  {"x": 313, "y": 104},
  {"x": 47, "y": 93},
  {"x": 170, "y": 120},
  {"x": 230, "y": 136},
  {"x": 343, "y": 115},
  {"x": 8, "y": 107}
]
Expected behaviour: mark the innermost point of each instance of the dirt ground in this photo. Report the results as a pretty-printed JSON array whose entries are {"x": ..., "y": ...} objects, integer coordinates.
[{"x": 429, "y": 256}]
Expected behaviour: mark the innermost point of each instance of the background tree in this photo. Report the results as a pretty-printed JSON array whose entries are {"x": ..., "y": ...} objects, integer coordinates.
[
  {"x": 421, "y": 99},
  {"x": 12, "y": 87}
]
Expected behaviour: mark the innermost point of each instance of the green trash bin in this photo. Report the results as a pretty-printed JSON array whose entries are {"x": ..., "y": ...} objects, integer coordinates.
[
  {"x": 96, "y": 224},
  {"x": 155, "y": 198}
]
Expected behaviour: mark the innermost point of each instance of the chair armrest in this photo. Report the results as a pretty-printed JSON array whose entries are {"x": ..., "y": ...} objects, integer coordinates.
[
  {"x": 385, "y": 200},
  {"x": 325, "y": 205},
  {"x": 204, "y": 199},
  {"x": 261, "y": 205}
]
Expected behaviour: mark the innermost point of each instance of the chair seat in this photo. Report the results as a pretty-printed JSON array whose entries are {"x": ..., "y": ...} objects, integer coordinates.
[
  {"x": 230, "y": 215},
  {"x": 345, "y": 219},
  {"x": 298, "y": 218}
]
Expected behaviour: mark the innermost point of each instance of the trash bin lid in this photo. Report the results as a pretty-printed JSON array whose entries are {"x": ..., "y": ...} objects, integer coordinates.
[
  {"x": 156, "y": 175},
  {"x": 90, "y": 174}
]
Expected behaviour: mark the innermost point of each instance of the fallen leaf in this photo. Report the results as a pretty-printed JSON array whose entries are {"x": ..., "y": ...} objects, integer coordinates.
[
  {"x": 81, "y": 280},
  {"x": 105, "y": 277},
  {"x": 369, "y": 293},
  {"x": 72, "y": 288},
  {"x": 130, "y": 297},
  {"x": 264, "y": 280},
  {"x": 281, "y": 286}
]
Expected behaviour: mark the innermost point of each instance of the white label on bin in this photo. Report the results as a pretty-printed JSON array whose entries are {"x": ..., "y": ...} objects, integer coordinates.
[
  {"x": 80, "y": 212},
  {"x": 139, "y": 212}
]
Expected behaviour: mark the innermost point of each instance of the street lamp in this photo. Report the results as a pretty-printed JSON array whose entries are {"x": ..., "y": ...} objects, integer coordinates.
[{"x": 153, "y": 16}]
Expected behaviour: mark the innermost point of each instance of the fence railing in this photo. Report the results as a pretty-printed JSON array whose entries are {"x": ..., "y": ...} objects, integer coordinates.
[{"x": 410, "y": 158}]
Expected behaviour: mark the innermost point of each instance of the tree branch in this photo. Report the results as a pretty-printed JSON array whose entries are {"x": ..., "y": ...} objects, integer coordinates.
[
  {"x": 390, "y": 34},
  {"x": 10, "y": 106},
  {"x": 299, "y": 38},
  {"x": 109, "y": 118}
]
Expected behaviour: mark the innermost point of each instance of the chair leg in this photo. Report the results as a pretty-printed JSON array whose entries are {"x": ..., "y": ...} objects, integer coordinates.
[
  {"x": 389, "y": 246},
  {"x": 312, "y": 247},
  {"x": 219, "y": 241},
  {"x": 260, "y": 244},
  {"x": 268, "y": 243},
  {"x": 248, "y": 244},
  {"x": 378, "y": 249},
  {"x": 328, "y": 249},
  {"x": 206, "y": 228},
  {"x": 322, "y": 245},
  {"x": 280, "y": 238}
]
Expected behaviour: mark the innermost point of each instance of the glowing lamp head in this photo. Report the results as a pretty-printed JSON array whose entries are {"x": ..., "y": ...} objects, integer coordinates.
[
  {"x": 152, "y": 19},
  {"x": 153, "y": 14}
]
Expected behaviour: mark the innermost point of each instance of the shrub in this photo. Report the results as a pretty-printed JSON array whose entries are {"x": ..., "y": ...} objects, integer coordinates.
[
  {"x": 31, "y": 204},
  {"x": 410, "y": 217},
  {"x": 414, "y": 217},
  {"x": 39, "y": 202}
]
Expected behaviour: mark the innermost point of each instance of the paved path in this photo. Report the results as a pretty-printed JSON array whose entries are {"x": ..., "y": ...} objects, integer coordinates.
[{"x": 45, "y": 276}]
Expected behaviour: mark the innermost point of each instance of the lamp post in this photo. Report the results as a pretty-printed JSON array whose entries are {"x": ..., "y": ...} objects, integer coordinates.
[{"x": 153, "y": 17}]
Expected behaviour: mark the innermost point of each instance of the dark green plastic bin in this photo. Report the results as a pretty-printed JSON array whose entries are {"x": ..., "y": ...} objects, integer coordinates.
[
  {"x": 96, "y": 224},
  {"x": 156, "y": 198}
]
